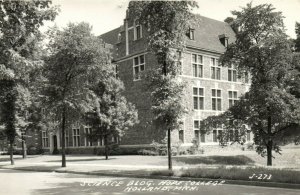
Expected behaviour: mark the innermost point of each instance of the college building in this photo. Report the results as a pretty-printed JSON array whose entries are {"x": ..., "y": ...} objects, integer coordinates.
[{"x": 211, "y": 89}]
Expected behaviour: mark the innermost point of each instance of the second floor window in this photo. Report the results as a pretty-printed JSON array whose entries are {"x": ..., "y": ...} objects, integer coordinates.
[
  {"x": 216, "y": 99},
  {"x": 215, "y": 69},
  {"x": 191, "y": 34},
  {"x": 198, "y": 98},
  {"x": 231, "y": 73},
  {"x": 232, "y": 97},
  {"x": 197, "y": 63},
  {"x": 137, "y": 30},
  {"x": 138, "y": 66}
]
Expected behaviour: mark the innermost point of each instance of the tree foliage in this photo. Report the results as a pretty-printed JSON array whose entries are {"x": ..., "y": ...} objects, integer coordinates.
[
  {"x": 297, "y": 41},
  {"x": 167, "y": 23},
  {"x": 19, "y": 35},
  {"x": 269, "y": 108},
  {"x": 112, "y": 115},
  {"x": 76, "y": 60}
]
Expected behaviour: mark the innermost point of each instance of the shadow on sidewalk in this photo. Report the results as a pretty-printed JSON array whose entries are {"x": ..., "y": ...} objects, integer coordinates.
[{"x": 78, "y": 160}]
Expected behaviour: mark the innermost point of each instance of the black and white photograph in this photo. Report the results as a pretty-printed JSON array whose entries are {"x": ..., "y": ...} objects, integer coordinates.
[{"x": 121, "y": 97}]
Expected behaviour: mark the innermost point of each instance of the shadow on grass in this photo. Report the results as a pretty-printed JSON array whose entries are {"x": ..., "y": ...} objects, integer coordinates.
[
  {"x": 213, "y": 160},
  {"x": 78, "y": 160}
]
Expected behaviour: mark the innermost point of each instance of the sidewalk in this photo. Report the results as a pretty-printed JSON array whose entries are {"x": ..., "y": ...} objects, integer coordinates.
[{"x": 118, "y": 166}]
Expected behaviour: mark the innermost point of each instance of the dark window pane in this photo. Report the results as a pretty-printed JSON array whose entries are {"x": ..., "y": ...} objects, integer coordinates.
[
  {"x": 212, "y": 72},
  {"x": 219, "y": 93},
  {"x": 219, "y": 104},
  {"x": 229, "y": 75},
  {"x": 218, "y": 73},
  {"x": 213, "y": 92},
  {"x": 195, "y": 91},
  {"x": 201, "y": 99},
  {"x": 196, "y": 103},
  {"x": 201, "y": 91},
  {"x": 214, "y": 135},
  {"x": 136, "y": 61},
  {"x": 142, "y": 59},
  {"x": 213, "y": 105},
  {"x": 196, "y": 124},
  {"x": 195, "y": 70},
  {"x": 200, "y": 59},
  {"x": 194, "y": 58},
  {"x": 142, "y": 67}
]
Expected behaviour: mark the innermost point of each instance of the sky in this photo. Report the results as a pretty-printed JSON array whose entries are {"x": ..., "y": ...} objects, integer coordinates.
[{"x": 105, "y": 15}]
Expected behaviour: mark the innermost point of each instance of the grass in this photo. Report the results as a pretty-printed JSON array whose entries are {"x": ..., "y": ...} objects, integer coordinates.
[
  {"x": 216, "y": 160},
  {"x": 278, "y": 175}
]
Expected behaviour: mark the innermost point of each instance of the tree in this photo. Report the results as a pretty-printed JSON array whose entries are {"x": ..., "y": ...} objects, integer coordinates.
[
  {"x": 269, "y": 108},
  {"x": 19, "y": 30},
  {"x": 112, "y": 114},
  {"x": 297, "y": 41},
  {"x": 167, "y": 23},
  {"x": 76, "y": 59}
]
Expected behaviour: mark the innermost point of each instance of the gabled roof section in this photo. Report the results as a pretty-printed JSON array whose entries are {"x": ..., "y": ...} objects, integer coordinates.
[
  {"x": 207, "y": 34},
  {"x": 111, "y": 37}
]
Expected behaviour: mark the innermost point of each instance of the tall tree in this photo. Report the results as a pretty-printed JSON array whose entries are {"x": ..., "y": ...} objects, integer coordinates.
[
  {"x": 19, "y": 29},
  {"x": 269, "y": 108},
  {"x": 297, "y": 41},
  {"x": 74, "y": 55},
  {"x": 167, "y": 23},
  {"x": 112, "y": 115}
]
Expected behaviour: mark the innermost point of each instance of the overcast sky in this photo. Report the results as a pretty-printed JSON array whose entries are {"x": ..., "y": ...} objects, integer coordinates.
[{"x": 105, "y": 15}]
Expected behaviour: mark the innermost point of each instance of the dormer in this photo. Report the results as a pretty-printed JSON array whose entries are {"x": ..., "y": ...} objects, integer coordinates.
[
  {"x": 224, "y": 39},
  {"x": 191, "y": 34}
]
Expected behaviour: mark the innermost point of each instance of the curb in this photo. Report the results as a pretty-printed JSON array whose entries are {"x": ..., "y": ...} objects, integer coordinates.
[{"x": 233, "y": 182}]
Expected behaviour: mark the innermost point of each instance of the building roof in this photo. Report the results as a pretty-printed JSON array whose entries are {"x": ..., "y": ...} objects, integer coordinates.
[
  {"x": 111, "y": 37},
  {"x": 207, "y": 34}
]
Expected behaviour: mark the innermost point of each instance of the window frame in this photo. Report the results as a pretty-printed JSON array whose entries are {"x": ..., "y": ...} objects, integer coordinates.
[
  {"x": 215, "y": 68},
  {"x": 200, "y": 98},
  {"x": 135, "y": 31},
  {"x": 198, "y": 65},
  {"x": 233, "y": 73},
  {"x": 45, "y": 139},
  {"x": 215, "y": 98},
  {"x": 233, "y": 99},
  {"x": 76, "y": 137},
  {"x": 139, "y": 65}
]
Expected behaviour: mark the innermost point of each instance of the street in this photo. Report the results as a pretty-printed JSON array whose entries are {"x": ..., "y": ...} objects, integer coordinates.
[{"x": 14, "y": 182}]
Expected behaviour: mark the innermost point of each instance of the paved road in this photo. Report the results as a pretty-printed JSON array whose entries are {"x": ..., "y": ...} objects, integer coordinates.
[{"x": 13, "y": 182}]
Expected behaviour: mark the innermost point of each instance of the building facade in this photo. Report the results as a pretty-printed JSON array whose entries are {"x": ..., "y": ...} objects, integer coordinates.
[{"x": 211, "y": 89}]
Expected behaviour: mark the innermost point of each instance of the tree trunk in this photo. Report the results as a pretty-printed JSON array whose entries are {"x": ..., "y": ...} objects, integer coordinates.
[
  {"x": 106, "y": 147},
  {"x": 269, "y": 153},
  {"x": 11, "y": 152},
  {"x": 169, "y": 150},
  {"x": 63, "y": 150},
  {"x": 24, "y": 149},
  {"x": 269, "y": 143}
]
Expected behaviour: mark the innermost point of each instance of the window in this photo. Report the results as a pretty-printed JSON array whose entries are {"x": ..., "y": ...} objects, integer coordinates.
[
  {"x": 231, "y": 73},
  {"x": 216, "y": 99},
  {"x": 45, "y": 139},
  {"x": 87, "y": 139},
  {"x": 66, "y": 138},
  {"x": 199, "y": 131},
  {"x": 232, "y": 97},
  {"x": 215, "y": 69},
  {"x": 198, "y": 98},
  {"x": 138, "y": 66},
  {"x": 181, "y": 136},
  {"x": 191, "y": 34},
  {"x": 197, "y": 63},
  {"x": 76, "y": 138},
  {"x": 215, "y": 136},
  {"x": 137, "y": 30}
]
